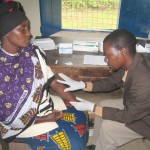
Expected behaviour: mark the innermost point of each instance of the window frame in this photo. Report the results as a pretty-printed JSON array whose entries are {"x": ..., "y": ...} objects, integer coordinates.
[{"x": 130, "y": 17}]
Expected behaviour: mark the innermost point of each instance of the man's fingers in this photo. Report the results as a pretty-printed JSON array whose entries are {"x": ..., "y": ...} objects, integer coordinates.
[
  {"x": 80, "y": 99},
  {"x": 67, "y": 90},
  {"x": 75, "y": 104},
  {"x": 63, "y": 76},
  {"x": 61, "y": 81},
  {"x": 72, "y": 103}
]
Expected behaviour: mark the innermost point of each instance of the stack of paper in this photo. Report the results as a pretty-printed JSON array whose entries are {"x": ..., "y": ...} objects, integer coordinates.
[
  {"x": 142, "y": 49},
  {"x": 45, "y": 43},
  {"x": 65, "y": 48},
  {"x": 94, "y": 60},
  {"x": 147, "y": 46},
  {"x": 90, "y": 46},
  {"x": 101, "y": 46}
]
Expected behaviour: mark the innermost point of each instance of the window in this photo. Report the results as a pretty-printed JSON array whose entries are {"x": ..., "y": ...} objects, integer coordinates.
[
  {"x": 132, "y": 15},
  {"x": 90, "y": 14}
]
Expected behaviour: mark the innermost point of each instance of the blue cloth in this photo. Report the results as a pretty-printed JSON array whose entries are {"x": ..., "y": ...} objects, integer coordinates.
[{"x": 72, "y": 133}]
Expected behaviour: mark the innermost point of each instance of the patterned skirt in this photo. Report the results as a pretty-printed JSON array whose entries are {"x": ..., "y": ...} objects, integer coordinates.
[{"x": 72, "y": 133}]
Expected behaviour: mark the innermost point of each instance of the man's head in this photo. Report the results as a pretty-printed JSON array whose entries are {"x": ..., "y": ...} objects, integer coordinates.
[{"x": 119, "y": 48}]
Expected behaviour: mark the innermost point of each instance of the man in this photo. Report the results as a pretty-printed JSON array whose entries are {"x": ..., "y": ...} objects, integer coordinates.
[{"x": 119, "y": 121}]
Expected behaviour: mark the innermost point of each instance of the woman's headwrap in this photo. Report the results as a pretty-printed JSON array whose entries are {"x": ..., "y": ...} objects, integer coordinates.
[{"x": 11, "y": 15}]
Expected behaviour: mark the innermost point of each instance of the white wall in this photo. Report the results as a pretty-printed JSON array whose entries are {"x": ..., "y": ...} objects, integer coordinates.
[{"x": 32, "y": 10}]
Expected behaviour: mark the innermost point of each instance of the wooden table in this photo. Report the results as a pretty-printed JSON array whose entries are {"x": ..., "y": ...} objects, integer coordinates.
[{"x": 78, "y": 70}]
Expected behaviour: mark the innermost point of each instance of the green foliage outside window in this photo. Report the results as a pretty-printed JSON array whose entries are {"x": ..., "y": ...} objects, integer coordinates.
[
  {"x": 90, "y": 14},
  {"x": 82, "y": 4}
]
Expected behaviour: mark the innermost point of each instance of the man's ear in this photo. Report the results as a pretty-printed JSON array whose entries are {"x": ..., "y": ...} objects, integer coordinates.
[{"x": 124, "y": 51}]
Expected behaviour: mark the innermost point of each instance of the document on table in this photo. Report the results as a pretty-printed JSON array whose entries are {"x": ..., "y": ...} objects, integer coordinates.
[
  {"x": 45, "y": 43},
  {"x": 142, "y": 49},
  {"x": 94, "y": 60},
  {"x": 89, "y": 46},
  {"x": 65, "y": 48}
]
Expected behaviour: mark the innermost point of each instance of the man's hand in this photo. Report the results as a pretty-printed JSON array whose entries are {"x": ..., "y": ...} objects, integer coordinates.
[
  {"x": 83, "y": 105},
  {"x": 73, "y": 85}
]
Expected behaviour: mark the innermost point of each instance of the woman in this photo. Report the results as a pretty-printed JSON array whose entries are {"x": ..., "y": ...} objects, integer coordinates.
[{"x": 24, "y": 91}]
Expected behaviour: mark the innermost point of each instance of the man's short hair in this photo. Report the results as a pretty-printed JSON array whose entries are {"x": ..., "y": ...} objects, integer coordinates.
[{"x": 122, "y": 38}]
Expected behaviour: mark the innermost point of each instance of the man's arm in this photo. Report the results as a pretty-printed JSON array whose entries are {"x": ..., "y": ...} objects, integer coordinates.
[
  {"x": 106, "y": 84},
  {"x": 84, "y": 105},
  {"x": 101, "y": 85}
]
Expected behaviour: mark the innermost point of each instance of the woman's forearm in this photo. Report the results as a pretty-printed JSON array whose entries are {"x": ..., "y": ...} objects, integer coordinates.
[
  {"x": 51, "y": 117},
  {"x": 41, "y": 119},
  {"x": 59, "y": 89}
]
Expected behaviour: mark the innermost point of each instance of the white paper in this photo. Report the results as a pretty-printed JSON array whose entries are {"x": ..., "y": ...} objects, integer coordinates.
[
  {"x": 147, "y": 46},
  {"x": 90, "y": 46},
  {"x": 101, "y": 46},
  {"x": 94, "y": 60},
  {"x": 45, "y": 43},
  {"x": 69, "y": 63},
  {"x": 65, "y": 48},
  {"x": 142, "y": 49}
]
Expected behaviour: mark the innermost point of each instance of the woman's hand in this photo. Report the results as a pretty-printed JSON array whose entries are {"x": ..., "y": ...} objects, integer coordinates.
[{"x": 54, "y": 116}]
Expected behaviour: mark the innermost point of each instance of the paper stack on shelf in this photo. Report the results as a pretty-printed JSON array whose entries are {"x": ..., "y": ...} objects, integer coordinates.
[
  {"x": 101, "y": 46},
  {"x": 94, "y": 60},
  {"x": 142, "y": 49},
  {"x": 89, "y": 46},
  {"x": 143, "y": 46},
  {"x": 45, "y": 43},
  {"x": 147, "y": 46},
  {"x": 65, "y": 48}
]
